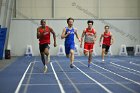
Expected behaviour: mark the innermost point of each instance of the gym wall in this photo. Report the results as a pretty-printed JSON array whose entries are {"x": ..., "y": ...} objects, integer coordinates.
[
  {"x": 23, "y": 32},
  {"x": 79, "y": 9}
]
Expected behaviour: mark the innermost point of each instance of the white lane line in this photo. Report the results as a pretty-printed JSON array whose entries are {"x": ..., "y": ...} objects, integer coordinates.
[
  {"x": 129, "y": 58},
  {"x": 116, "y": 82},
  {"x": 75, "y": 84},
  {"x": 76, "y": 89},
  {"x": 134, "y": 63},
  {"x": 29, "y": 78},
  {"x": 79, "y": 72},
  {"x": 121, "y": 66},
  {"x": 58, "y": 81},
  {"x": 107, "y": 90},
  {"x": 117, "y": 74},
  {"x": 125, "y": 67},
  {"x": 40, "y": 61},
  {"x": 124, "y": 61},
  {"x": 20, "y": 83},
  {"x": 39, "y": 84},
  {"x": 55, "y": 61},
  {"x": 124, "y": 70}
]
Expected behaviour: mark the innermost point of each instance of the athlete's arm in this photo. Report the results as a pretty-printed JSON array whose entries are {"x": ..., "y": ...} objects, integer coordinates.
[
  {"x": 63, "y": 35},
  {"x": 100, "y": 39},
  {"x": 83, "y": 34},
  {"x": 112, "y": 39},
  {"x": 54, "y": 36},
  {"x": 75, "y": 30}
]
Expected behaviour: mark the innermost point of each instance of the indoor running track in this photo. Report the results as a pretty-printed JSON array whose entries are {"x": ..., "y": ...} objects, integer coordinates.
[{"x": 116, "y": 75}]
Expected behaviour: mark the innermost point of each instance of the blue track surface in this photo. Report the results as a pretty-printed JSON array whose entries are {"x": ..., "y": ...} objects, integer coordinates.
[{"x": 116, "y": 75}]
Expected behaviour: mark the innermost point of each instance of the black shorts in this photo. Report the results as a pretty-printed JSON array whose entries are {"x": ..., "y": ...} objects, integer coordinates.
[
  {"x": 43, "y": 46},
  {"x": 106, "y": 47}
]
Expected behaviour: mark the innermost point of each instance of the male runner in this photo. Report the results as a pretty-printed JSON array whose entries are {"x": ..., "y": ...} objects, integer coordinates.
[
  {"x": 90, "y": 37},
  {"x": 43, "y": 34},
  {"x": 68, "y": 34},
  {"x": 107, "y": 41}
]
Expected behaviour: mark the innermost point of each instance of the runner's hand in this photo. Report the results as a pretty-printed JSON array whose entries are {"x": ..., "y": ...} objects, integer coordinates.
[
  {"x": 100, "y": 44},
  {"x": 79, "y": 39},
  {"x": 55, "y": 44}
]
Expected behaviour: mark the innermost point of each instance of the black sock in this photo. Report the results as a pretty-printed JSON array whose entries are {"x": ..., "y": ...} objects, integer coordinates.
[{"x": 43, "y": 59}]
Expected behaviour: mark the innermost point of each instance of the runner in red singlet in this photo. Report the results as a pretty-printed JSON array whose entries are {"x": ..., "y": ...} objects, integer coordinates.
[
  {"x": 89, "y": 41},
  {"x": 107, "y": 41},
  {"x": 43, "y": 34}
]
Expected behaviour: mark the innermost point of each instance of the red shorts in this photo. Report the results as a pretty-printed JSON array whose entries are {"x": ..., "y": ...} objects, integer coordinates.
[{"x": 88, "y": 47}]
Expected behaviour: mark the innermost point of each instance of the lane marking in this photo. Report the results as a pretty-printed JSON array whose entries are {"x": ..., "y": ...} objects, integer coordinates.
[
  {"x": 57, "y": 79},
  {"x": 20, "y": 83},
  {"x": 124, "y": 61},
  {"x": 117, "y": 74},
  {"x": 134, "y": 63},
  {"x": 125, "y": 67},
  {"x": 28, "y": 80},
  {"x": 75, "y": 72},
  {"x": 116, "y": 82},
  {"x": 74, "y": 83},
  {"x": 107, "y": 90},
  {"x": 121, "y": 68},
  {"x": 77, "y": 90},
  {"x": 125, "y": 70}
]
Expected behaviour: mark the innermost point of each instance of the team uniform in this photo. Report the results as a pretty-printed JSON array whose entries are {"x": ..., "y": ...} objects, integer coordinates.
[
  {"x": 106, "y": 41},
  {"x": 89, "y": 40},
  {"x": 44, "y": 41},
  {"x": 69, "y": 40}
]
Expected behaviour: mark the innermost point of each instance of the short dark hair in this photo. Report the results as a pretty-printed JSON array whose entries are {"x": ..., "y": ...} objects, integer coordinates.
[
  {"x": 90, "y": 21},
  {"x": 106, "y": 26},
  {"x": 70, "y": 19},
  {"x": 42, "y": 20}
]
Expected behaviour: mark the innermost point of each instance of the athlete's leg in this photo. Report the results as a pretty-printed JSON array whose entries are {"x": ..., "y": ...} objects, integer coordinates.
[
  {"x": 71, "y": 56},
  {"x": 106, "y": 50},
  {"x": 103, "y": 53},
  {"x": 72, "y": 47},
  {"x": 42, "y": 49},
  {"x": 46, "y": 52},
  {"x": 42, "y": 58},
  {"x": 86, "y": 50},
  {"x": 90, "y": 54},
  {"x": 89, "y": 58},
  {"x": 86, "y": 53}
]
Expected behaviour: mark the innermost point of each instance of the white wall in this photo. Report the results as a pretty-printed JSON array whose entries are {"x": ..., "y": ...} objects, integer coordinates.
[
  {"x": 23, "y": 32},
  {"x": 34, "y": 8},
  {"x": 79, "y": 8}
]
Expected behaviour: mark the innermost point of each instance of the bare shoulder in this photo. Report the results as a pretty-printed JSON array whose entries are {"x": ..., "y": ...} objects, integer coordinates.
[
  {"x": 38, "y": 28},
  {"x": 84, "y": 30},
  {"x": 110, "y": 33},
  {"x": 64, "y": 29},
  {"x": 50, "y": 28},
  {"x": 94, "y": 29}
]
